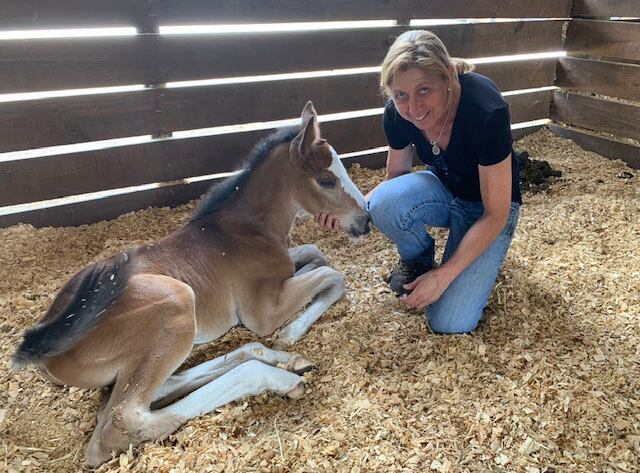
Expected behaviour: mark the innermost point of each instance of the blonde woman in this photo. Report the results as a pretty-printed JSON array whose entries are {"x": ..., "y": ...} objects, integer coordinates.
[{"x": 459, "y": 124}]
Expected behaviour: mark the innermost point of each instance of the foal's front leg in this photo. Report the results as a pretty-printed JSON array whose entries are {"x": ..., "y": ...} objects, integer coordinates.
[
  {"x": 306, "y": 258},
  {"x": 179, "y": 384},
  {"x": 316, "y": 290}
]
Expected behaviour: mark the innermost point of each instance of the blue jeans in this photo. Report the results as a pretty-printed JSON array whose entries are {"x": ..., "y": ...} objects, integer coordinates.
[{"x": 401, "y": 208}]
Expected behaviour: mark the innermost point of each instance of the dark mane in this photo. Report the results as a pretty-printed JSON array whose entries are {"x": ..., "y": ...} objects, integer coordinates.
[{"x": 219, "y": 193}]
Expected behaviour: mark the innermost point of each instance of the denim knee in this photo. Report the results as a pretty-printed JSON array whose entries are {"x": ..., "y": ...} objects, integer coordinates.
[
  {"x": 446, "y": 322},
  {"x": 384, "y": 213}
]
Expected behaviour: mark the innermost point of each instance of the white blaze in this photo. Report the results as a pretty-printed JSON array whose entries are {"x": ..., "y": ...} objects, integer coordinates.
[{"x": 338, "y": 169}]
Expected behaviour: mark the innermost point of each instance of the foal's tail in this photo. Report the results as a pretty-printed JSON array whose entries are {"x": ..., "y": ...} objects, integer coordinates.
[{"x": 77, "y": 310}]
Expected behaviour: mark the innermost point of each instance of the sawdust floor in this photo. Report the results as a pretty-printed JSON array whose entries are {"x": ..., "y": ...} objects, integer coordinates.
[{"x": 550, "y": 381}]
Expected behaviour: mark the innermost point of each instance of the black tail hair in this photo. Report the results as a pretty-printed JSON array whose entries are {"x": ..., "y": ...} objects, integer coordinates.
[{"x": 88, "y": 294}]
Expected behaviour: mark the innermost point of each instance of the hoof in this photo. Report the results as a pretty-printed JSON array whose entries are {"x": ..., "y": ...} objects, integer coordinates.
[
  {"x": 297, "y": 391},
  {"x": 94, "y": 457},
  {"x": 281, "y": 343},
  {"x": 300, "y": 365}
]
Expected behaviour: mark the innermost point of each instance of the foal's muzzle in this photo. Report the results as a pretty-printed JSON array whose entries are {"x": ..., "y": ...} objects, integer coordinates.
[{"x": 361, "y": 225}]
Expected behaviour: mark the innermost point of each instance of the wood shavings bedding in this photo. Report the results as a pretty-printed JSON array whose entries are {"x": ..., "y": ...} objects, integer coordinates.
[{"x": 549, "y": 382}]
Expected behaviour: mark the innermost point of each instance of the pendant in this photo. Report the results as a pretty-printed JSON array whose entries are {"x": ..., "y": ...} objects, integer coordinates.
[{"x": 435, "y": 149}]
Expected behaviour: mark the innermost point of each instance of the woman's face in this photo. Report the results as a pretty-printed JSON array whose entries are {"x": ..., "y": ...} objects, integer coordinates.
[{"x": 420, "y": 98}]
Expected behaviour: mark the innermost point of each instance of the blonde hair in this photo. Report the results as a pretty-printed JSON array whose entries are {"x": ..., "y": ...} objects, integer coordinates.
[{"x": 423, "y": 50}]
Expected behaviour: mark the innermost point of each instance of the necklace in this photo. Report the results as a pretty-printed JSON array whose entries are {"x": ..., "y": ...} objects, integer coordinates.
[{"x": 435, "y": 149}]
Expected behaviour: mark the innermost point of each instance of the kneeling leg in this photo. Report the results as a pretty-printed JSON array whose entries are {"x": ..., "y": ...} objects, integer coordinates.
[{"x": 306, "y": 258}]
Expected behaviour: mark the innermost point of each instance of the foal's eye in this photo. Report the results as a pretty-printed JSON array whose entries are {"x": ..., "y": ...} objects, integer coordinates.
[{"x": 326, "y": 183}]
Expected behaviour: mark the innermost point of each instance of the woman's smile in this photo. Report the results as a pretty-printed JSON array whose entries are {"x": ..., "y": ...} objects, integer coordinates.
[{"x": 421, "y": 117}]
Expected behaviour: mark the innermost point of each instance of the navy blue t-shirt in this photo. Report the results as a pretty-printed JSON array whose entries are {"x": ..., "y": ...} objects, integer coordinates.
[{"x": 481, "y": 135}]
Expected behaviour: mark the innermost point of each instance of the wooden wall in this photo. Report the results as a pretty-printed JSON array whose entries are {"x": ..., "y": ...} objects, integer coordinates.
[
  {"x": 598, "y": 105},
  {"x": 152, "y": 59}
]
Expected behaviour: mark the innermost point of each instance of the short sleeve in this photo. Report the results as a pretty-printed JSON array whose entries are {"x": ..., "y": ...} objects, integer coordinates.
[
  {"x": 396, "y": 128},
  {"x": 496, "y": 140}
]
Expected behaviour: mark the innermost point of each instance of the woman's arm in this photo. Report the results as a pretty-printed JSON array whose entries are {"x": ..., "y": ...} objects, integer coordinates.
[
  {"x": 495, "y": 189},
  {"x": 398, "y": 162}
]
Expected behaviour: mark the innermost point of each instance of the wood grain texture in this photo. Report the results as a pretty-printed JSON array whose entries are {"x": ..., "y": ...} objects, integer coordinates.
[
  {"x": 54, "y": 64},
  {"x": 605, "y": 8},
  {"x": 50, "y": 122},
  {"x": 111, "y": 207},
  {"x": 599, "y": 77},
  {"x": 26, "y": 14},
  {"x": 51, "y": 177},
  {"x": 619, "y": 119},
  {"x": 611, "y": 149},
  {"x": 604, "y": 39}
]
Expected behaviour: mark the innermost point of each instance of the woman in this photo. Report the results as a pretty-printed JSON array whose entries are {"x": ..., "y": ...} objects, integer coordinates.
[{"x": 459, "y": 124}]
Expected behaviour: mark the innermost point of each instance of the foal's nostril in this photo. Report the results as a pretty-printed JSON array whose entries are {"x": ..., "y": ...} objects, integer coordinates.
[{"x": 368, "y": 225}]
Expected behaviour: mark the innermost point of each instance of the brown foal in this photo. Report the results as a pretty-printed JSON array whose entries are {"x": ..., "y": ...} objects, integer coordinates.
[{"x": 130, "y": 321}]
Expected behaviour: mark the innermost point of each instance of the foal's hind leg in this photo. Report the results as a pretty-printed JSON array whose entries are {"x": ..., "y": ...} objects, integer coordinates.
[
  {"x": 306, "y": 258},
  {"x": 133, "y": 422},
  {"x": 189, "y": 380},
  {"x": 153, "y": 330}
]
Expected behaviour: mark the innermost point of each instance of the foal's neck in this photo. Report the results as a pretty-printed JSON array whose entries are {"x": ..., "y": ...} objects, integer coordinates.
[{"x": 268, "y": 199}]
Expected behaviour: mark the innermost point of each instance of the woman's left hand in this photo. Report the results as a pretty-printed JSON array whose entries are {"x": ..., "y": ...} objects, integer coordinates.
[{"x": 426, "y": 289}]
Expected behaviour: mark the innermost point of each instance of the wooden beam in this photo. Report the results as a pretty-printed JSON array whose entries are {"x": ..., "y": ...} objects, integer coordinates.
[
  {"x": 599, "y": 77},
  {"x": 604, "y": 39},
  {"x": 92, "y": 13},
  {"x": 171, "y": 196},
  {"x": 50, "y": 122},
  {"x": 605, "y": 8},
  {"x": 38, "y": 123},
  {"x": 619, "y": 119},
  {"x": 108, "y": 208},
  {"x": 612, "y": 149},
  {"x": 50, "y": 177},
  {"x": 69, "y": 63}
]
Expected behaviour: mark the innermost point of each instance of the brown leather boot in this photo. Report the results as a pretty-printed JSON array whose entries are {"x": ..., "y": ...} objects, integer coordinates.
[{"x": 404, "y": 273}]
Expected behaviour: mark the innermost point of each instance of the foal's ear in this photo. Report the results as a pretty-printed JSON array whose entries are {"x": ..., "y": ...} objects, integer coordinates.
[
  {"x": 310, "y": 133},
  {"x": 308, "y": 111}
]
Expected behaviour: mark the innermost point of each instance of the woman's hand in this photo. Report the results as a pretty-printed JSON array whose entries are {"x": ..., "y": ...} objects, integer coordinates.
[
  {"x": 328, "y": 221},
  {"x": 426, "y": 289}
]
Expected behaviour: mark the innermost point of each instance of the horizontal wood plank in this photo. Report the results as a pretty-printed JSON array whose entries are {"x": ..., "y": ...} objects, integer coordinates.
[
  {"x": 158, "y": 161},
  {"x": 619, "y": 119},
  {"x": 522, "y": 132},
  {"x": 599, "y": 77},
  {"x": 26, "y": 14},
  {"x": 34, "y": 124},
  {"x": 629, "y": 153},
  {"x": 170, "y": 196},
  {"x": 166, "y": 160},
  {"x": 108, "y": 208},
  {"x": 531, "y": 106},
  {"x": 50, "y": 122},
  {"x": 54, "y": 64},
  {"x": 605, "y": 8},
  {"x": 604, "y": 39}
]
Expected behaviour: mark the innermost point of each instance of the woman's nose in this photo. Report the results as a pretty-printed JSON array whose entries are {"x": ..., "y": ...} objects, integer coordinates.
[{"x": 414, "y": 107}]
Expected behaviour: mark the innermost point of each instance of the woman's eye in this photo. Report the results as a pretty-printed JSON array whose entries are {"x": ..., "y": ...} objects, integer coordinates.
[
  {"x": 326, "y": 183},
  {"x": 400, "y": 96},
  {"x": 424, "y": 91}
]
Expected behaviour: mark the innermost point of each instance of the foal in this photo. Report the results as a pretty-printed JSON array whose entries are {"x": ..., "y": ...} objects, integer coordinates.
[{"x": 130, "y": 321}]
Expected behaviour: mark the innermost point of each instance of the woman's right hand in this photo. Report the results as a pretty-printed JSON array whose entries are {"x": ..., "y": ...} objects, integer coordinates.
[{"x": 328, "y": 221}]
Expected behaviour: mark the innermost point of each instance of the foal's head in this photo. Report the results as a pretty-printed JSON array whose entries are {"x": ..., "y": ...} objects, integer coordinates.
[{"x": 325, "y": 184}]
